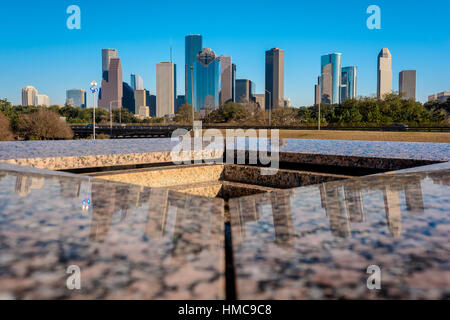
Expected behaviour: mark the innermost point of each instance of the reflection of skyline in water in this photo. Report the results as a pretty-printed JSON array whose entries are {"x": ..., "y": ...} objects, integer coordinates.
[{"x": 342, "y": 203}]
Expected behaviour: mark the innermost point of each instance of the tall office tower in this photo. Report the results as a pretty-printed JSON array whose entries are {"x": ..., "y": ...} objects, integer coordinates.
[
  {"x": 180, "y": 101},
  {"x": 128, "y": 98},
  {"x": 29, "y": 94},
  {"x": 193, "y": 45},
  {"x": 140, "y": 99},
  {"x": 442, "y": 96},
  {"x": 348, "y": 83},
  {"x": 136, "y": 82},
  {"x": 76, "y": 98},
  {"x": 206, "y": 80},
  {"x": 245, "y": 91},
  {"x": 330, "y": 78},
  {"x": 226, "y": 91},
  {"x": 234, "y": 82},
  {"x": 165, "y": 100},
  {"x": 151, "y": 103},
  {"x": 274, "y": 78},
  {"x": 407, "y": 84},
  {"x": 317, "y": 92},
  {"x": 384, "y": 74},
  {"x": 42, "y": 100},
  {"x": 112, "y": 89},
  {"x": 107, "y": 55}
]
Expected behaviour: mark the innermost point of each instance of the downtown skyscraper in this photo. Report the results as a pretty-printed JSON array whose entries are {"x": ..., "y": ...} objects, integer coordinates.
[
  {"x": 193, "y": 46},
  {"x": 111, "y": 92},
  {"x": 384, "y": 73},
  {"x": 165, "y": 89},
  {"x": 227, "y": 79},
  {"x": 274, "y": 78},
  {"x": 348, "y": 83},
  {"x": 407, "y": 84},
  {"x": 206, "y": 80},
  {"x": 330, "y": 79},
  {"x": 136, "y": 82}
]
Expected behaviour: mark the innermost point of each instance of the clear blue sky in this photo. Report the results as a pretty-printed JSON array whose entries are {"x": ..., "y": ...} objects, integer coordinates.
[{"x": 36, "y": 48}]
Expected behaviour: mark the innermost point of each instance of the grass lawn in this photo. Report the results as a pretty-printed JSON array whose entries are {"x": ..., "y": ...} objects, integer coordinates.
[{"x": 442, "y": 137}]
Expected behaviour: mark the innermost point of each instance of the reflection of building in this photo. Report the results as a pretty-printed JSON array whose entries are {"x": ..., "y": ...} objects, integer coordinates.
[
  {"x": 272, "y": 209},
  {"x": 333, "y": 200},
  {"x": 76, "y": 98},
  {"x": 24, "y": 184},
  {"x": 206, "y": 80},
  {"x": 354, "y": 203},
  {"x": 384, "y": 73},
  {"x": 392, "y": 208},
  {"x": 69, "y": 189},
  {"x": 413, "y": 196},
  {"x": 274, "y": 78},
  {"x": 331, "y": 78}
]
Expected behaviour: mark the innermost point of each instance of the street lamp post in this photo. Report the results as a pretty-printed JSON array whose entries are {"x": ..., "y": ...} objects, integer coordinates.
[
  {"x": 270, "y": 107},
  {"x": 192, "y": 97},
  {"x": 94, "y": 90}
]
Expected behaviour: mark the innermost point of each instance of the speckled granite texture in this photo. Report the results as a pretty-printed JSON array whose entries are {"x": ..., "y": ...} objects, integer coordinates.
[
  {"x": 317, "y": 242},
  {"x": 61, "y": 155},
  {"x": 136, "y": 242},
  {"x": 132, "y": 243}
]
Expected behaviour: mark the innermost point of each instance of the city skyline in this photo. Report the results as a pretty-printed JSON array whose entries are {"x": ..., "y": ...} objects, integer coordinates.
[{"x": 66, "y": 62}]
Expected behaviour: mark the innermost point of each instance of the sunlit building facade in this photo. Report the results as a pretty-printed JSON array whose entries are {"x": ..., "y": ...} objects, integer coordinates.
[
  {"x": 29, "y": 94},
  {"x": 136, "y": 81},
  {"x": 330, "y": 84}
]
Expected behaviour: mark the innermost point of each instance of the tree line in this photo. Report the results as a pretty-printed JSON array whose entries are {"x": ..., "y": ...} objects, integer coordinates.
[{"x": 36, "y": 123}]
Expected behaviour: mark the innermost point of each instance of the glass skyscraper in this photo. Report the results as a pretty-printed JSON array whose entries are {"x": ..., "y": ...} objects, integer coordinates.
[
  {"x": 193, "y": 46},
  {"x": 206, "y": 80},
  {"x": 331, "y": 78},
  {"x": 136, "y": 82},
  {"x": 76, "y": 98},
  {"x": 348, "y": 83}
]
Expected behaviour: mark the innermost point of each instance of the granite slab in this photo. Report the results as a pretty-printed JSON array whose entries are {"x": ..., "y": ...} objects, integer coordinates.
[
  {"x": 130, "y": 242},
  {"x": 317, "y": 242}
]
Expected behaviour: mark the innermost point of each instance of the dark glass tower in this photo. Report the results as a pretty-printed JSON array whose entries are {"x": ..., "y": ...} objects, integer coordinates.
[
  {"x": 206, "y": 80},
  {"x": 194, "y": 45}
]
